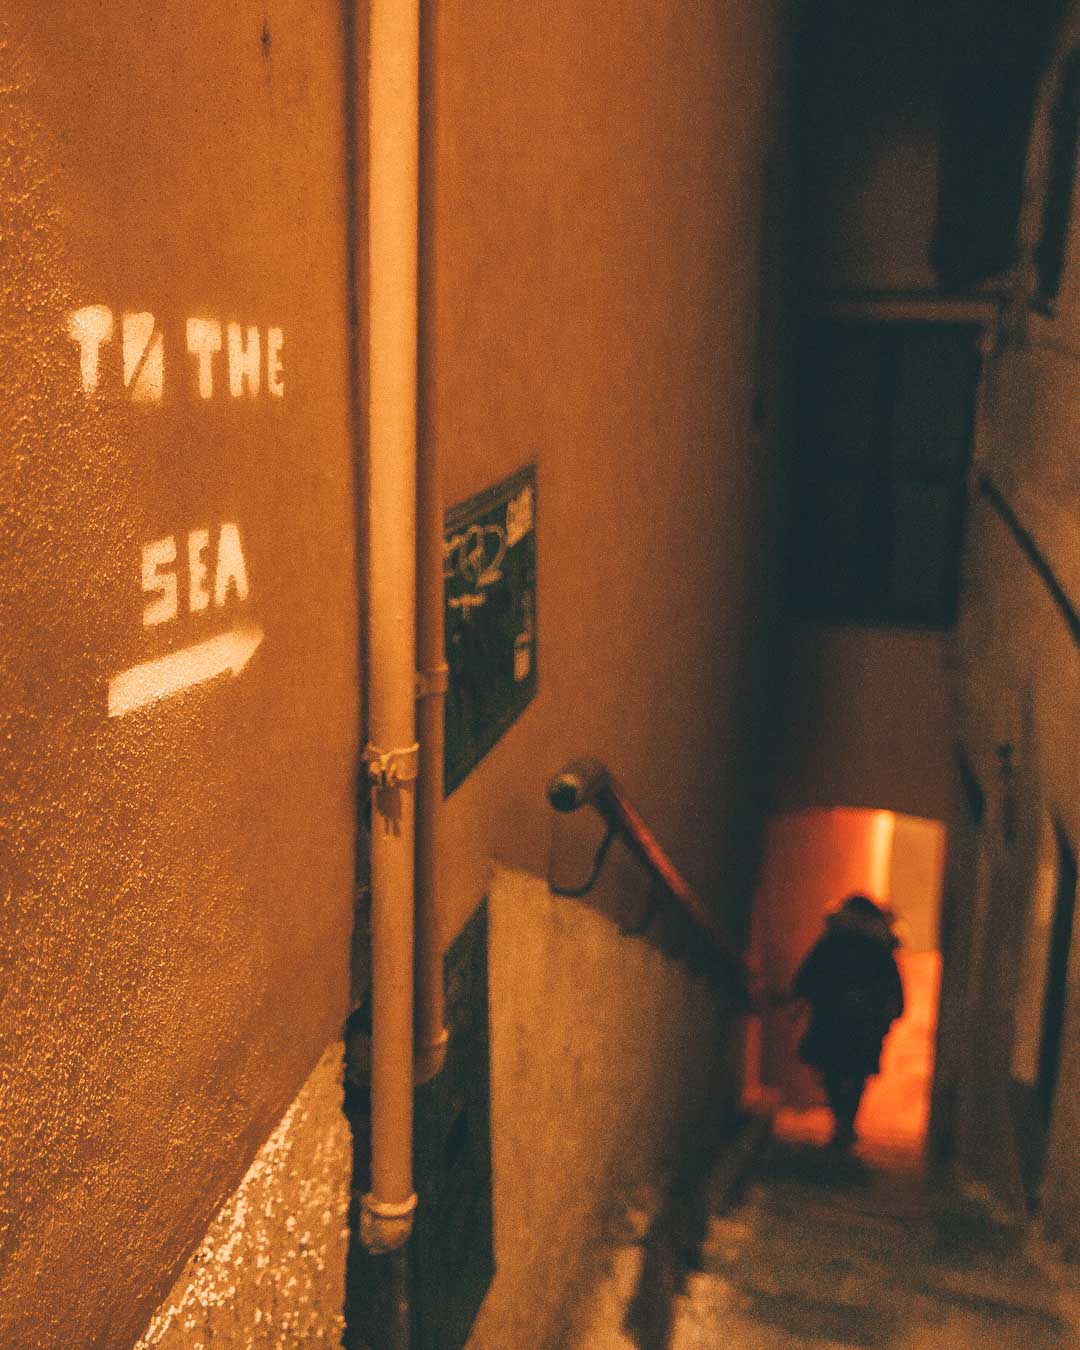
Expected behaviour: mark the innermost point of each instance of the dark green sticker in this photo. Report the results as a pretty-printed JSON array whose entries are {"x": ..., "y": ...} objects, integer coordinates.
[{"x": 490, "y": 585}]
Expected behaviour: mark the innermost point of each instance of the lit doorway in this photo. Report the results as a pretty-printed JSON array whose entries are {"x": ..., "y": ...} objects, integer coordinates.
[{"x": 813, "y": 860}]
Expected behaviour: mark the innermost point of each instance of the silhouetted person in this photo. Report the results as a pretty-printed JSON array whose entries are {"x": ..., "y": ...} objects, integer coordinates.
[{"x": 851, "y": 980}]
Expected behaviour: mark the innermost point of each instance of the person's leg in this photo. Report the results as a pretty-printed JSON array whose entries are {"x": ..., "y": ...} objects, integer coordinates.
[
  {"x": 844, "y": 1091},
  {"x": 833, "y": 1080},
  {"x": 850, "y": 1096}
]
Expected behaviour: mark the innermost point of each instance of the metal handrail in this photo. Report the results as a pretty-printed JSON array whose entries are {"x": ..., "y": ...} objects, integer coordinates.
[{"x": 588, "y": 782}]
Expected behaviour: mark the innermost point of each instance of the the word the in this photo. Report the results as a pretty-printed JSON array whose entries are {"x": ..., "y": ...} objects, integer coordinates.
[{"x": 243, "y": 359}]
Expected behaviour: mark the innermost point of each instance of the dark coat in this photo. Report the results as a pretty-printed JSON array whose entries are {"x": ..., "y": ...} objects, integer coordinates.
[{"x": 853, "y": 985}]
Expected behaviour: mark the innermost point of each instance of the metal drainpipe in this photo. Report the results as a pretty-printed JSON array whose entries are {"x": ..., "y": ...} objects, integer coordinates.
[
  {"x": 431, "y": 1033},
  {"x": 431, "y": 684},
  {"x": 392, "y": 752}
]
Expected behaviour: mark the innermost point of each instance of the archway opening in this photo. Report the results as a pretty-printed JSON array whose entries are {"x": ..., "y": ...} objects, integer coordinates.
[{"x": 813, "y": 860}]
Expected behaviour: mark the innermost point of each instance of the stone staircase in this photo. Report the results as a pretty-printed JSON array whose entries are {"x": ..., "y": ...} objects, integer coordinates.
[{"x": 798, "y": 1247}]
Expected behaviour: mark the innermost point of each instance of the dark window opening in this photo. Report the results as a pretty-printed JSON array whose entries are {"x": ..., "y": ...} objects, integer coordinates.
[{"x": 884, "y": 436}]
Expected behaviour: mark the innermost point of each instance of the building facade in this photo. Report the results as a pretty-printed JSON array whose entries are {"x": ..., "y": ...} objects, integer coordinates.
[
  {"x": 1007, "y": 1088},
  {"x": 185, "y": 364}
]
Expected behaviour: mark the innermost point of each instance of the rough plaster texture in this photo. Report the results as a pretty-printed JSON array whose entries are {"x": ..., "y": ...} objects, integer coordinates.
[
  {"x": 1020, "y": 685},
  {"x": 175, "y": 884},
  {"x": 271, "y": 1269},
  {"x": 1019, "y": 700},
  {"x": 593, "y": 299},
  {"x": 606, "y": 1059}
]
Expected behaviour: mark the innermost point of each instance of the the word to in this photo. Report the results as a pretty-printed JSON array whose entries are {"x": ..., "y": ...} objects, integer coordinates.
[{"x": 239, "y": 357}]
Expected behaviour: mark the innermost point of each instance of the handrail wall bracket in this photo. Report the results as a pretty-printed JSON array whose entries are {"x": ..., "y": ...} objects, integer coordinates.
[{"x": 588, "y": 782}]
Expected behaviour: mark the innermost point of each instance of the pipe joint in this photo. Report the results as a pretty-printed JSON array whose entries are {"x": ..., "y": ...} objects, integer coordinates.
[
  {"x": 429, "y": 1057},
  {"x": 385, "y": 1226},
  {"x": 431, "y": 683}
]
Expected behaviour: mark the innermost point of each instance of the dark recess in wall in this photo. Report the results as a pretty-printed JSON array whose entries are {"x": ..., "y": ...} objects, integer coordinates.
[
  {"x": 1057, "y": 207},
  {"x": 989, "y": 101},
  {"x": 427, "y": 1296},
  {"x": 968, "y": 69}
]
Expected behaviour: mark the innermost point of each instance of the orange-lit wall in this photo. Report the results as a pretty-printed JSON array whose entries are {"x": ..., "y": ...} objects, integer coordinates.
[
  {"x": 915, "y": 880},
  {"x": 595, "y": 220},
  {"x": 594, "y": 302},
  {"x": 896, "y": 1108},
  {"x": 867, "y": 720},
  {"x": 813, "y": 860},
  {"x": 177, "y": 881}
]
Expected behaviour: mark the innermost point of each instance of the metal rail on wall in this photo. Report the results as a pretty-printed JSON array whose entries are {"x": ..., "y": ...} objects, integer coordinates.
[{"x": 588, "y": 782}]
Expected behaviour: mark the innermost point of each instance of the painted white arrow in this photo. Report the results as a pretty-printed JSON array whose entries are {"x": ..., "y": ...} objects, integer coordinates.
[{"x": 168, "y": 675}]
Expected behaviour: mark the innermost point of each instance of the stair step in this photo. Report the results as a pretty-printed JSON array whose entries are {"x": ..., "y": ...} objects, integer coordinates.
[{"x": 850, "y": 1257}]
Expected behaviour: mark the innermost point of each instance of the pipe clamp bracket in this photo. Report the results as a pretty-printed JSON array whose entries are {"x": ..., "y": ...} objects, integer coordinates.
[
  {"x": 392, "y": 768},
  {"x": 389, "y": 1209}
]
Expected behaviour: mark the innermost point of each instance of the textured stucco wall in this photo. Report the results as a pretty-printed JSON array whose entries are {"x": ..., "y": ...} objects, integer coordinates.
[
  {"x": 176, "y": 882},
  {"x": 593, "y": 229},
  {"x": 1020, "y": 686},
  {"x": 606, "y": 1059},
  {"x": 1019, "y": 698},
  {"x": 271, "y": 1269}
]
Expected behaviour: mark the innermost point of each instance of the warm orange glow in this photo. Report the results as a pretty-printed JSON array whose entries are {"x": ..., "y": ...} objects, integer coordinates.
[
  {"x": 813, "y": 859},
  {"x": 897, "y": 1103}
]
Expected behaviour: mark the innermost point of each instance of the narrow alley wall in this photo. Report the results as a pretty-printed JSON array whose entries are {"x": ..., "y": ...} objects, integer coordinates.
[
  {"x": 872, "y": 80},
  {"x": 271, "y": 1266},
  {"x": 176, "y": 361},
  {"x": 868, "y": 720},
  {"x": 178, "y": 672},
  {"x": 593, "y": 283},
  {"x": 593, "y": 221},
  {"x": 1009, "y": 1107}
]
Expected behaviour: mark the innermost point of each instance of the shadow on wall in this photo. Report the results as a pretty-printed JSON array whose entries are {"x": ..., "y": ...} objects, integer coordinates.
[{"x": 814, "y": 859}]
